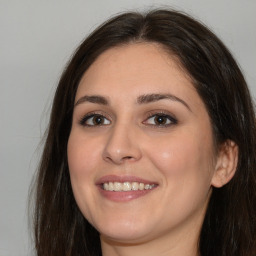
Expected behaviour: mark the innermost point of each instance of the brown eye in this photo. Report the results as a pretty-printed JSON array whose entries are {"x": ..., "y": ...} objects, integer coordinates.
[
  {"x": 98, "y": 120},
  {"x": 94, "y": 120},
  {"x": 161, "y": 120}
]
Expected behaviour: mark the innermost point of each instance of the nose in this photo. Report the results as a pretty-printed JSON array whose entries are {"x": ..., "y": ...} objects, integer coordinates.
[{"x": 122, "y": 145}]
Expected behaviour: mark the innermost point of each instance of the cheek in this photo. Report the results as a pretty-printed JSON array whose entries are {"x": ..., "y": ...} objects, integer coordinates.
[
  {"x": 187, "y": 170},
  {"x": 82, "y": 160},
  {"x": 82, "y": 156},
  {"x": 185, "y": 160}
]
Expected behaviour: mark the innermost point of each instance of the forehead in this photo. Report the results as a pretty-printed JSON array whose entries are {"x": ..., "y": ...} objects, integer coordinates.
[{"x": 134, "y": 69}]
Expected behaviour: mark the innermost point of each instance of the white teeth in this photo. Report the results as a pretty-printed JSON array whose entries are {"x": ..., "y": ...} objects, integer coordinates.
[
  {"x": 106, "y": 186},
  {"x": 126, "y": 186},
  {"x": 135, "y": 186},
  {"x": 118, "y": 186},
  {"x": 110, "y": 186},
  {"x": 147, "y": 186},
  {"x": 141, "y": 186}
]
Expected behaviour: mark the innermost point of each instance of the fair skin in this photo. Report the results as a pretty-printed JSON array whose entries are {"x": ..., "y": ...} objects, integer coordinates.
[{"x": 138, "y": 119}]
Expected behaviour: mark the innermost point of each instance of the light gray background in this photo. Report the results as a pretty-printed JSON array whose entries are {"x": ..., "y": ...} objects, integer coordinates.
[{"x": 36, "y": 40}]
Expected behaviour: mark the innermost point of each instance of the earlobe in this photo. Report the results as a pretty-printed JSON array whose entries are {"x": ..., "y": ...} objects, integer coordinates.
[{"x": 226, "y": 164}]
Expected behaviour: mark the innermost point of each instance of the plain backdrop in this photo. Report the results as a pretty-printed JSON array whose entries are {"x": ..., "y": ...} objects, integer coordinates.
[{"x": 36, "y": 40}]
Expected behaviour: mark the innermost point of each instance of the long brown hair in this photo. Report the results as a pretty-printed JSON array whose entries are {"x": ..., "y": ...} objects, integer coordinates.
[{"x": 230, "y": 222}]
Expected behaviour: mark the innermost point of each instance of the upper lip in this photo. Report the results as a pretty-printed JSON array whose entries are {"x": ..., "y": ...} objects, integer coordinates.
[{"x": 116, "y": 178}]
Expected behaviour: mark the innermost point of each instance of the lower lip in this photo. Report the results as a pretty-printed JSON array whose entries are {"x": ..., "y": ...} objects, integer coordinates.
[{"x": 124, "y": 196}]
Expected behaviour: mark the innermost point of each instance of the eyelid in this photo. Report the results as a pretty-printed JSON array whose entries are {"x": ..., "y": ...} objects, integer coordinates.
[
  {"x": 164, "y": 113},
  {"x": 93, "y": 114}
]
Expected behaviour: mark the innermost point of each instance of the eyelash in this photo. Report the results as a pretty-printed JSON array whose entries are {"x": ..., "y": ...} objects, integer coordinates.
[
  {"x": 91, "y": 116},
  {"x": 160, "y": 114},
  {"x": 167, "y": 117}
]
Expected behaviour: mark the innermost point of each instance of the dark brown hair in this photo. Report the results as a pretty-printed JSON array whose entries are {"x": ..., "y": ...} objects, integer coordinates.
[{"x": 229, "y": 225}]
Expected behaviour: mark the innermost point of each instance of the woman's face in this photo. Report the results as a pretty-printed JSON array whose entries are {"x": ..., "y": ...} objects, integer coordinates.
[{"x": 140, "y": 151}]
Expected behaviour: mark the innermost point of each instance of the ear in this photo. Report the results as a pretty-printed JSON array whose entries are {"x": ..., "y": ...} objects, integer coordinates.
[{"x": 226, "y": 164}]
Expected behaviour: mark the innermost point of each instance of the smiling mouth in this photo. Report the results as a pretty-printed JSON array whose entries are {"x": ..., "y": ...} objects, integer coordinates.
[{"x": 126, "y": 186}]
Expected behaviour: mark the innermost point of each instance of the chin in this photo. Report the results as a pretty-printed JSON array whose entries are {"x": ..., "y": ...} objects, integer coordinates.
[{"x": 124, "y": 232}]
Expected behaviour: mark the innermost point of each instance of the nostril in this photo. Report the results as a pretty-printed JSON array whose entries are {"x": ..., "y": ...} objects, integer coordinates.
[
  {"x": 119, "y": 160},
  {"x": 127, "y": 157}
]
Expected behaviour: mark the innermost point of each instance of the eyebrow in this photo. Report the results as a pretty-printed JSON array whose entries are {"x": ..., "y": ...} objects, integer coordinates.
[
  {"x": 93, "y": 99},
  {"x": 143, "y": 99},
  {"x": 148, "y": 98}
]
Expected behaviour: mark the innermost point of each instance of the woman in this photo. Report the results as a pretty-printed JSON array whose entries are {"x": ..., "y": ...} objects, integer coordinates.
[{"x": 151, "y": 145}]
